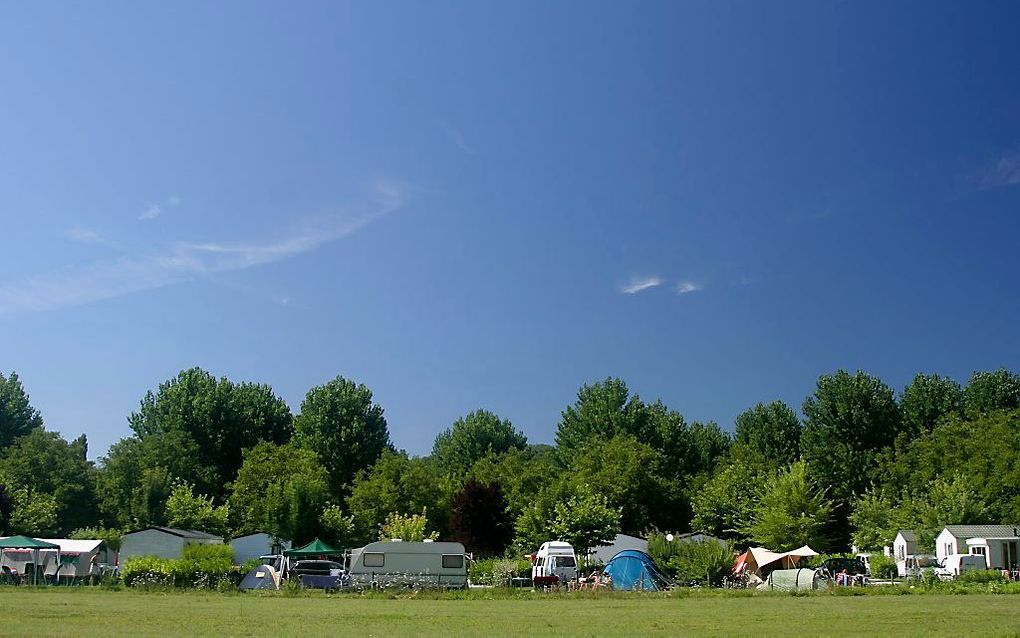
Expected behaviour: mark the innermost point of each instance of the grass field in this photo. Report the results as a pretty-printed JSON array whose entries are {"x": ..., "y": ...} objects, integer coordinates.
[{"x": 112, "y": 613}]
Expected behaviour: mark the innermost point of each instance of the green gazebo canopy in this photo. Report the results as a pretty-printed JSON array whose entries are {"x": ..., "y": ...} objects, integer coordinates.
[
  {"x": 315, "y": 548},
  {"x": 25, "y": 542}
]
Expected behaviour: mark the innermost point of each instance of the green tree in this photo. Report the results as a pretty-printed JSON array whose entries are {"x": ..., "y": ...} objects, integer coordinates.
[
  {"x": 586, "y": 521},
  {"x": 876, "y": 520},
  {"x": 34, "y": 513},
  {"x": 772, "y": 430},
  {"x": 112, "y": 536},
  {"x": 337, "y": 529},
  {"x": 790, "y": 512},
  {"x": 45, "y": 463},
  {"x": 474, "y": 437},
  {"x": 218, "y": 417},
  {"x": 412, "y": 528},
  {"x": 339, "y": 422},
  {"x": 283, "y": 490},
  {"x": 927, "y": 399},
  {"x": 17, "y": 416},
  {"x": 399, "y": 484},
  {"x": 724, "y": 505},
  {"x": 187, "y": 510},
  {"x": 848, "y": 421},
  {"x": 602, "y": 411},
  {"x": 990, "y": 391},
  {"x": 521, "y": 474},
  {"x": 631, "y": 476}
]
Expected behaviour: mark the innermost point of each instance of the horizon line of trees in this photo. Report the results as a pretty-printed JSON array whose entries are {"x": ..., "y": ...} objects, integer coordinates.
[{"x": 230, "y": 458}]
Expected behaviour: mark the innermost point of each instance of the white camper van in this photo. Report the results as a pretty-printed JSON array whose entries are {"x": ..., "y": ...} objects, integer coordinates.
[
  {"x": 554, "y": 560},
  {"x": 954, "y": 565},
  {"x": 396, "y": 562}
]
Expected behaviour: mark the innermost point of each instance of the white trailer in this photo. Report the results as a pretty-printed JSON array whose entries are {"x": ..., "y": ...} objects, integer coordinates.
[{"x": 396, "y": 562}]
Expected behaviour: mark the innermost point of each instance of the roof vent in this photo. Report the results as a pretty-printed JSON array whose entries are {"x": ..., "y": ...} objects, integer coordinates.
[
  {"x": 396, "y": 540},
  {"x": 427, "y": 540}
]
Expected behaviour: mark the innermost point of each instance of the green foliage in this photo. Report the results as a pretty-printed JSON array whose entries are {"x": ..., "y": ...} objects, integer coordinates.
[
  {"x": 479, "y": 519},
  {"x": 990, "y": 391},
  {"x": 791, "y": 512},
  {"x": 521, "y": 474},
  {"x": 17, "y": 416},
  {"x": 875, "y": 520},
  {"x": 348, "y": 432},
  {"x": 882, "y": 566},
  {"x": 723, "y": 506},
  {"x": 187, "y": 510},
  {"x": 926, "y": 400},
  {"x": 686, "y": 561},
  {"x": 406, "y": 527},
  {"x": 498, "y": 572},
  {"x": 42, "y": 461},
  {"x": 632, "y": 477},
  {"x": 473, "y": 437},
  {"x": 337, "y": 529},
  {"x": 771, "y": 430},
  {"x": 983, "y": 576},
  {"x": 216, "y": 418},
  {"x": 112, "y": 537},
  {"x": 586, "y": 520},
  {"x": 280, "y": 489},
  {"x": 398, "y": 483},
  {"x": 35, "y": 513},
  {"x": 200, "y": 566}
]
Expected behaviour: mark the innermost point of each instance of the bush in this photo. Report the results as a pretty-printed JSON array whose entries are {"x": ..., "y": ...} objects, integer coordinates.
[
  {"x": 883, "y": 567},
  {"x": 498, "y": 572},
  {"x": 690, "y": 562},
  {"x": 983, "y": 576},
  {"x": 200, "y": 567}
]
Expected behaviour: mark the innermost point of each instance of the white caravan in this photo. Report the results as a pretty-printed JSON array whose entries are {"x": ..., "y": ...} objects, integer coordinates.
[
  {"x": 396, "y": 562},
  {"x": 554, "y": 559}
]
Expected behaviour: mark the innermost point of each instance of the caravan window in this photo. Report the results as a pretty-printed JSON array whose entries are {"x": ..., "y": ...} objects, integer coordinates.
[
  {"x": 565, "y": 561},
  {"x": 374, "y": 559},
  {"x": 453, "y": 561}
]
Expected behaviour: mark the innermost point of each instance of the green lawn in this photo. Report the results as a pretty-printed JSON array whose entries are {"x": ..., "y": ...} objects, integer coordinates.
[{"x": 97, "y": 612}]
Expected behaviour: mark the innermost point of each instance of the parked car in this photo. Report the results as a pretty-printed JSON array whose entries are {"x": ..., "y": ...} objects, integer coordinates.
[
  {"x": 316, "y": 568},
  {"x": 853, "y": 566},
  {"x": 914, "y": 565}
]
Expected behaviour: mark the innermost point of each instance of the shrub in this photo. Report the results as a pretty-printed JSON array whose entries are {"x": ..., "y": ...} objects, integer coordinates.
[
  {"x": 883, "y": 567},
  {"x": 686, "y": 561},
  {"x": 498, "y": 572},
  {"x": 983, "y": 576},
  {"x": 200, "y": 566}
]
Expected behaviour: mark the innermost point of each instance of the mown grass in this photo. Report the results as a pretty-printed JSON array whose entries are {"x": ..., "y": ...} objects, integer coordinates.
[{"x": 53, "y": 611}]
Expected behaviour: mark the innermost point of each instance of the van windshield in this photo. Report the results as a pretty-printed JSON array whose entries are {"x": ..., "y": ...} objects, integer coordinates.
[{"x": 565, "y": 561}]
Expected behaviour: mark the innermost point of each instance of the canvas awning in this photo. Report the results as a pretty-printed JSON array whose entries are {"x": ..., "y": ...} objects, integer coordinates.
[
  {"x": 315, "y": 548},
  {"x": 756, "y": 558},
  {"x": 33, "y": 544}
]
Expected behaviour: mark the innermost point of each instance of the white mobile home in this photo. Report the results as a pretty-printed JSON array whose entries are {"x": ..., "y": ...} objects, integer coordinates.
[
  {"x": 997, "y": 543},
  {"x": 255, "y": 545},
  {"x": 435, "y": 564},
  {"x": 165, "y": 542},
  {"x": 905, "y": 547}
]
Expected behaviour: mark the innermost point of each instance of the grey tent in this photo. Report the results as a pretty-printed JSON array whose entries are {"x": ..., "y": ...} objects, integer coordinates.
[
  {"x": 262, "y": 577},
  {"x": 792, "y": 580}
]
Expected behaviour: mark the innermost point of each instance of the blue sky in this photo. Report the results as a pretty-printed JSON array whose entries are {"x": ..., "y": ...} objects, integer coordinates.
[{"x": 469, "y": 205}]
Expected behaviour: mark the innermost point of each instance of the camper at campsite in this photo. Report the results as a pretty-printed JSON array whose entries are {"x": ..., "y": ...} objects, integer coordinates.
[
  {"x": 553, "y": 564},
  {"x": 396, "y": 562}
]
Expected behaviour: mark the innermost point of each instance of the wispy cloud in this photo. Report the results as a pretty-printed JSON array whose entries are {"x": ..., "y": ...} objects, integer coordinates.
[
  {"x": 1004, "y": 172},
  {"x": 640, "y": 284},
  {"x": 152, "y": 211},
  {"x": 171, "y": 263},
  {"x": 83, "y": 235},
  {"x": 685, "y": 287},
  {"x": 457, "y": 138}
]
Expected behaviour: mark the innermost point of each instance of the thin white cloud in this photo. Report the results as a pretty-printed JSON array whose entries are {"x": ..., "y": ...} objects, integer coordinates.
[
  {"x": 152, "y": 211},
  {"x": 640, "y": 284},
  {"x": 457, "y": 138},
  {"x": 182, "y": 261},
  {"x": 685, "y": 287},
  {"x": 83, "y": 235},
  {"x": 1005, "y": 172},
  {"x": 174, "y": 201}
]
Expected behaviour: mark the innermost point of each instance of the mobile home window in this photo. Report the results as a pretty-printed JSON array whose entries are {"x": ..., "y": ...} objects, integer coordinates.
[
  {"x": 978, "y": 551},
  {"x": 453, "y": 561},
  {"x": 374, "y": 559}
]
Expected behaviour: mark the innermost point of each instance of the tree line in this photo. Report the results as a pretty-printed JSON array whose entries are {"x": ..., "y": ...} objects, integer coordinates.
[{"x": 858, "y": 462}]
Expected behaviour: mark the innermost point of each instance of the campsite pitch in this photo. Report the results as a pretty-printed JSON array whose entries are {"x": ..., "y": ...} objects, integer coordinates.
[{"x": 97, "y": 612}]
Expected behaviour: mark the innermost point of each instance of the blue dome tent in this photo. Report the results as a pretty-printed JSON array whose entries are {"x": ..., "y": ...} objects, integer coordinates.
[{"x": 635, "y": 570}]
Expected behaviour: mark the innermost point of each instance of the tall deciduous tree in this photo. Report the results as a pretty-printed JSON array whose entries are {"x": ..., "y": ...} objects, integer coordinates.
[
  {"x": 341, "y": 424},
  {"x": 603, "y": 410},
  {"x": 927, "y": 399},
  {"x": 790, "y": 512},
  {"x": 479, "y": 519},
  {"x": 187, "y": 510},
  {"x": 473, "y": 437},
  {"x": 772, "y": 430},
  {"x": 586, "y": 520},
  {"x": 221, "y": 419},
  {"x": 412, "y": 528},
  {"x": 848, "y": 421},
  {"x": 990, "y": 391},
  {"x": 17, "y": 416}
]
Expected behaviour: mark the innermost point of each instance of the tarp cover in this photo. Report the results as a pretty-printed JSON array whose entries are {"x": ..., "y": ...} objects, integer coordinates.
[
  {"x": 633, "y": 569},
  {"x": 24, "y": 542},
  {"x": 757, "y": 560},
  {"x": 315, "y": 548},
  {"x": 791, "y": 579},
  {"x": 262, "y": 577}
]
